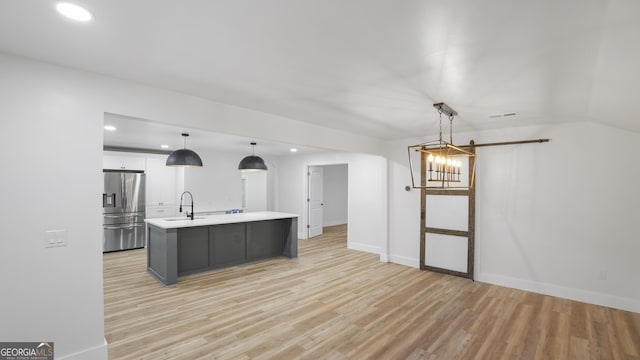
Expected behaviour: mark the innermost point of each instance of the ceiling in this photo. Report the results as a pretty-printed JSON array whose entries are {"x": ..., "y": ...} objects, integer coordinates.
[
  {"x": 150, "y": 135},
  {"x": 372, "y": 67}
]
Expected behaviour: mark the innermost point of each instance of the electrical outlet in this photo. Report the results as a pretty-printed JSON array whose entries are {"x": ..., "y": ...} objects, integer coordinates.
[
  {"x": 55, "y": 238},
  {"x": 603, "y": 274}
]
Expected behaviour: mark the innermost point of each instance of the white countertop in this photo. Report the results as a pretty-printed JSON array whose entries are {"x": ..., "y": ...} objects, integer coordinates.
[{"x": 205, "y": 220}]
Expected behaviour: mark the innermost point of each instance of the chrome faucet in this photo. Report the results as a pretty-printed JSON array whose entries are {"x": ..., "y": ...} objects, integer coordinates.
[{"x": 191, "y": 196}]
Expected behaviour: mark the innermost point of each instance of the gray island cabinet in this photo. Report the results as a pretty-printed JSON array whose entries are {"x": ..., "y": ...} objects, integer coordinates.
[{"x": 179, "y": 246}]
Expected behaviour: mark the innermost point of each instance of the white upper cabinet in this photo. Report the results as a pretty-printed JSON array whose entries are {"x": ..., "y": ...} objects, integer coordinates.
[
  {"x": 114, "y": 162},
  {"x": 161, "y": 183}
]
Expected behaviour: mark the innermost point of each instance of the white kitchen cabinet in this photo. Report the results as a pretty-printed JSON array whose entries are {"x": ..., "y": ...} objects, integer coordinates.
[
  {"x": 161, "y": 211},
  {"x": 114, "y": 162},
  {"x": 161, "y": 183}
]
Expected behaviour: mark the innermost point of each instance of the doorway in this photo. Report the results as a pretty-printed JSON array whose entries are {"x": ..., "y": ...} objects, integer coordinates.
[{"x": 327, "y": 197}]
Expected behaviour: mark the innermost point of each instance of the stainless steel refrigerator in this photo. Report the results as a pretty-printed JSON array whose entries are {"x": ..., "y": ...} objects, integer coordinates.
[{"x": 123, "y": 207}]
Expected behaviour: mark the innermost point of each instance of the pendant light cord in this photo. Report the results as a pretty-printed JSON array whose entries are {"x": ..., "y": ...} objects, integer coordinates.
[
  {"x": 440, "y": 113},
  {"x": 185, "y": 135}
]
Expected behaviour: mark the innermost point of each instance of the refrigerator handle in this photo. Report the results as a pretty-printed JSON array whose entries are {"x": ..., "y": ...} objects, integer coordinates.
[{"x": 123, "y": 186}]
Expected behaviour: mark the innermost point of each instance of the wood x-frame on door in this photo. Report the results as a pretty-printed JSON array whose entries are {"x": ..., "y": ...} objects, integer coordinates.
[{"x": 470, "y": 192}]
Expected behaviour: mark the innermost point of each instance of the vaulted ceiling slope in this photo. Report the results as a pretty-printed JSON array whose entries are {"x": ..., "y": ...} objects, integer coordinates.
[{"x": 372, "y": 67}]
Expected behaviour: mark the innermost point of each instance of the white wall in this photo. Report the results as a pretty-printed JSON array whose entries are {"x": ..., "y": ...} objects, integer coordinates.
[
  {"x": 216, "y": 185},
  {"x": 367, "y": 198},
  {"x": 256, "y": 190},
  {"x": 272, "y": 184},
  {"x": 51, "y": 131},
  {"x": 51, "y": 135},
  {"x": 335, "y": 187},
  {"x": 549, "y": 217}
]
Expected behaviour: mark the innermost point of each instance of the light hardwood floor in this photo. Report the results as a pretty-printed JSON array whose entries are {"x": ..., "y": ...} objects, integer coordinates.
[{"x": 336, "y": 303}]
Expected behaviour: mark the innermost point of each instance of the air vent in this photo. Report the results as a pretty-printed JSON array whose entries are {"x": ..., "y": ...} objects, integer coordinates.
[{"x": 495, "y": 116}]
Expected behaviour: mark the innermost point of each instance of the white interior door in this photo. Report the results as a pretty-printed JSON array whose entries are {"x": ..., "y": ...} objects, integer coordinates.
[{"x": 315, "y": 201}]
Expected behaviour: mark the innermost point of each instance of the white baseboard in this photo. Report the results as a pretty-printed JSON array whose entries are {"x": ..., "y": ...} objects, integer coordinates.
[
  {"x": 586, "y": 296},
  {"x": 404, "y": 260},
  {"x": 100, "y": 352},
  {"x": 384, "y": 257},
  {"x": 363, "y": 247},
  {"x": 334, "y": 223},
  {"x": 590, "y": 297}
]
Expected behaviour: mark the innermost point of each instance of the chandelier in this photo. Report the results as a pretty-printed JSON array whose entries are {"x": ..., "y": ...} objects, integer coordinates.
[{"x": 441, "y": 161}]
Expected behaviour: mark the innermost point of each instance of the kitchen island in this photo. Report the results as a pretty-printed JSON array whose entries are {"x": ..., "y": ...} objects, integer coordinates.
[{"x": 181, "y": 246}]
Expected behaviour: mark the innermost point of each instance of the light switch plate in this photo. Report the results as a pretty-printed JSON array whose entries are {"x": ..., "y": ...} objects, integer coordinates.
[{"x": 55, "y": 238}]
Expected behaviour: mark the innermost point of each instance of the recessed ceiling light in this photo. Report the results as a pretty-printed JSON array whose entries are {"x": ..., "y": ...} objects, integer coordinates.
[
  {"x": 110, "y": 127},
  {"x": 74, "y": 12},
  {"x": 164, "y": 146},
  {"x": 293, "y": 150}
]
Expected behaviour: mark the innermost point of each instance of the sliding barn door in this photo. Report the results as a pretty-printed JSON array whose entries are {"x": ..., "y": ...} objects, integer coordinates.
[{"x": 447, "y": 225}]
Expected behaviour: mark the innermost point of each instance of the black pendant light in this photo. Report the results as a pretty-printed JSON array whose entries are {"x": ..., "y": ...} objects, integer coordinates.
[
  {"x": 184, "y": 157},
  {"x": 252, "y": 162}
]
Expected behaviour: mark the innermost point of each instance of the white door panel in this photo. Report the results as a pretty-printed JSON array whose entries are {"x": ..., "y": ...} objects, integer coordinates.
[{"x": 315, "y": 200}]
